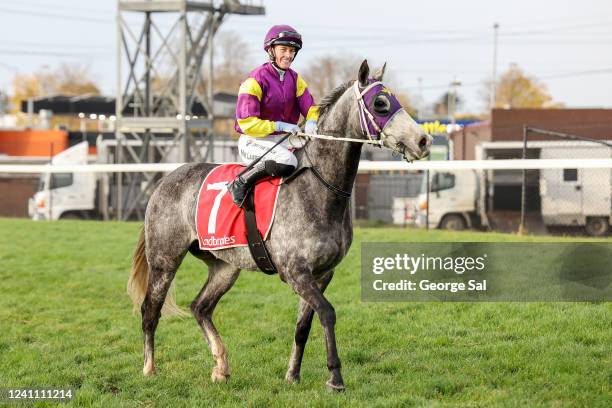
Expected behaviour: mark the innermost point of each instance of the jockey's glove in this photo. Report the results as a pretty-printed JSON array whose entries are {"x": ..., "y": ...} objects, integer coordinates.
[
  {"x": 286, "y": 127},
  {"x": 310, "y": 127}
]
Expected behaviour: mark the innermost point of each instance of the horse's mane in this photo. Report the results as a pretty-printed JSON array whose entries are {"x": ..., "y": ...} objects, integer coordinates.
[{"x": 331, "y": 98}]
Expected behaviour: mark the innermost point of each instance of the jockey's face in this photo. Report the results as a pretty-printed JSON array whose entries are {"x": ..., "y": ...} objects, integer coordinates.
[{"x": 283, "y": 56}]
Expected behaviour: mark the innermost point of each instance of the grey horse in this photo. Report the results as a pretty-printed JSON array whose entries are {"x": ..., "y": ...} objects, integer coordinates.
[{"x": 311, "y": 234}]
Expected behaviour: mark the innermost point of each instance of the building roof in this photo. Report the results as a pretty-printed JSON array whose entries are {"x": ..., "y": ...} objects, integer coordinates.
[{"x": 87, "y": 104}]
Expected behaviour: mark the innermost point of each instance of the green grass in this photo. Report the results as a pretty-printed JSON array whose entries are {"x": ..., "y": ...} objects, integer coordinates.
[{"x": 65, "y": 320}]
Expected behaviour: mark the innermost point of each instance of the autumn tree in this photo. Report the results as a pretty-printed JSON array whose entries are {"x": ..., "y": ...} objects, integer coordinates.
[
  {"x": 515, "y": 89},
  {"x": 65, "y": 80}
]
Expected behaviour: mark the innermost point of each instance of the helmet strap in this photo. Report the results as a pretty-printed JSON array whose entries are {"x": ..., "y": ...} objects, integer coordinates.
[{"x": 272, "y": 56}]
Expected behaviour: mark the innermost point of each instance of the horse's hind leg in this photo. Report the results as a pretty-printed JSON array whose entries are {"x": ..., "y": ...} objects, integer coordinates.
[
  {"x": 162, "y": 268},
  {"x": 302, "y": 330},
  {"x": 221, "y": 277}
]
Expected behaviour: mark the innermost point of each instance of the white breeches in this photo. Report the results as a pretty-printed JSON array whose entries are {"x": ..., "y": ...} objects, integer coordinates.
[{"x": 251, "y": 148}]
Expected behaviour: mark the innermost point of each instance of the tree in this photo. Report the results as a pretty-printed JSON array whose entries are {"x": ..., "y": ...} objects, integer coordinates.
[
  {"x": 326, "y": 73},
  {"x": 441, "y": 105},
  {"x": 65, "y": 80},
  {"x": 24, "y": 88},
  {"x": 515, "y": 89},
  {"x": 75, "y": 80},
  {"x": 232, "y": 62}
]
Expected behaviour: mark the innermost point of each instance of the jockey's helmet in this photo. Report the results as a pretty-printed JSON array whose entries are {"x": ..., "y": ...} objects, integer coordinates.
[{"x": 283, "y": 35}]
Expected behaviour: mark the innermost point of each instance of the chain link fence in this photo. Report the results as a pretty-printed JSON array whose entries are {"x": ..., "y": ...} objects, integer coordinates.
[
  {"x": 564, "y": 200},
  {"x": 567, "y": 201}
]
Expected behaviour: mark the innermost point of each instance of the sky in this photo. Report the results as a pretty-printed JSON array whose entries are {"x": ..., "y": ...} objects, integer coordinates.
[{"x": 565, "y": 44}]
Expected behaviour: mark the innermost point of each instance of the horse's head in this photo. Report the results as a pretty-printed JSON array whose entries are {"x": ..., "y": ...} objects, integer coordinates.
[{"x": 383, "y": 118}]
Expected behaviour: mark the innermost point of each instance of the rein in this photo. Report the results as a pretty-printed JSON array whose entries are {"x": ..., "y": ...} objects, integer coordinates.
[
  {"x": 365, "y": 120},
  {"x": 340, "y": 139},
  {"x": 319, "y": 176}
]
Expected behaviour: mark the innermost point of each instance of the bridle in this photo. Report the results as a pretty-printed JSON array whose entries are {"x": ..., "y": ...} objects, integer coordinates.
[
  {"x": 371, "y": 129},
  {"x": 366, "y": 119}
]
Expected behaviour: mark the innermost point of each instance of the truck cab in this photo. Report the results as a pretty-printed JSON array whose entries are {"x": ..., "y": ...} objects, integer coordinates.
[
  {"x": 452, "y": 202},
  {"x": 65, "y": 195}
]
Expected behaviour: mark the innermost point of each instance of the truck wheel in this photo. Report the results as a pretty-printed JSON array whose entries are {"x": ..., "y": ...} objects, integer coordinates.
[
  {"x": 71, "y": 216},
  {"x": 453, "y": 222},
  {"x": 597, "y": 226}
]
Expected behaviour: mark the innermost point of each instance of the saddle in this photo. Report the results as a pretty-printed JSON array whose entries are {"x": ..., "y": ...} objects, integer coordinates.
[{"x": 220, "y": 224}]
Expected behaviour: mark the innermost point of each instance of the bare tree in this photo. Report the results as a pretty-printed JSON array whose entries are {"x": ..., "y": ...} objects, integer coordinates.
[
  {"x": 232, "y": 62},
  {"x": 328, "y": 72},
  {"x": 75, "y": 80}
]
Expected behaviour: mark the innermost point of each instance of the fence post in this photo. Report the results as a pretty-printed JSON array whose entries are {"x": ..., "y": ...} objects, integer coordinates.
[
  {"x": 119, "y": 158},
  {"x": 49, "y": 187},
  {"x": 522, "y": 230},
  {"x": 427, "y": 200}
]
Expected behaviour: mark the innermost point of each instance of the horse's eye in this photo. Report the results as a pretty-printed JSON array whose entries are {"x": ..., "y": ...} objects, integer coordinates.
[{"x": 382, "y": 105}]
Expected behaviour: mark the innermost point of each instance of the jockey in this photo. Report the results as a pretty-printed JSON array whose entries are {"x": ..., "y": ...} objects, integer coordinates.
[{"x": 270, "y": 102}]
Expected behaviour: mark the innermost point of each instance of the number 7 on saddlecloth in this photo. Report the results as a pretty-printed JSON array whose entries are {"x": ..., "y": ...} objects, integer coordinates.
[{"x": 212, "y": 219}]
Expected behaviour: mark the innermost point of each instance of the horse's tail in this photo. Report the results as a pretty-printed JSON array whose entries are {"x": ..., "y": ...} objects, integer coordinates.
[{"x": 139, "y": 280}]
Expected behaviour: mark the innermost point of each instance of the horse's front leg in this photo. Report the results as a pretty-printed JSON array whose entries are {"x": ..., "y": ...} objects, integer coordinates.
[
  {"x": 304, "y": 284},
  {"x": 302, "y": 330}
]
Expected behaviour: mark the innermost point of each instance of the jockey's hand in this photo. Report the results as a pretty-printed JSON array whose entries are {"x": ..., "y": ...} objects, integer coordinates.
[
  {"x": 310, "y": 127},
  {"x": 286, "y": 127}
]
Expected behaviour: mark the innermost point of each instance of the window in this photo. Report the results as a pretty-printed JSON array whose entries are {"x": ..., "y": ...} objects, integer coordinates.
[
  {"x": 59, "y": 180},
  {"x": 570, "y": 174},
  {"x": 442, "y": 181}
]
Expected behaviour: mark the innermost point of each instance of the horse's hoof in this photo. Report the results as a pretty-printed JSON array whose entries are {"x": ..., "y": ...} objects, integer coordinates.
[
  {"x": 148, "y": 370},
  {"x": 292, "y": 378},
  {"x": 331, "y": 387},
  {"x": 218, "y": 377}
]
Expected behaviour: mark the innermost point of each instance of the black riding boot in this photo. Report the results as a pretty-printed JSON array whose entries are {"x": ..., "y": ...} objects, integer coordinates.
[{"x": 240, "y": 186}]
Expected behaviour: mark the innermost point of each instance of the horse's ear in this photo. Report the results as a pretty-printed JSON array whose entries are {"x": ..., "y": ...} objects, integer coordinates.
[
  {"x": 379, "y": 74},
  {"x": 364, "y": 73}
]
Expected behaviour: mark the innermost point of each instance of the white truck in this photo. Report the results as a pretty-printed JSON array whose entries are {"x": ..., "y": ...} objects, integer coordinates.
[
  {"x": 577, "y": 197},
  {"x": 568, "y": 197},
  {"x": 454, "y": 200},
  {"x": 65, "y": 195},
  {"x": 94, "y": 196}
]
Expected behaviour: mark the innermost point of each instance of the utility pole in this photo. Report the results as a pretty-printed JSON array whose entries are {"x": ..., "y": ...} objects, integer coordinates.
[
  {"x": 494, "y": 76},
  {"x": 452, "y": 98},
  {"x": 421, "y": 101}
]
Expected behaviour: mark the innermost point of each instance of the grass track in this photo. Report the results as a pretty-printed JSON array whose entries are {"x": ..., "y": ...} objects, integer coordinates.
[{"x": 65, "y": 321}]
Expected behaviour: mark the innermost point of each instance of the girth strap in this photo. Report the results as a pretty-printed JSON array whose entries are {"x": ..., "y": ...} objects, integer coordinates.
[{"x": 257, "y": 247}]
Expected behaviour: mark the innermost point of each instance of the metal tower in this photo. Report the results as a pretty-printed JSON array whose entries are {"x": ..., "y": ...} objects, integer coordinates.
[{"x": 164, "y": 107}]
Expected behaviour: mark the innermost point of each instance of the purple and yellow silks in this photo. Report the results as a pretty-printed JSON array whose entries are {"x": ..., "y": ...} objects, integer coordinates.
[{"x": 264, "y": 99}]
